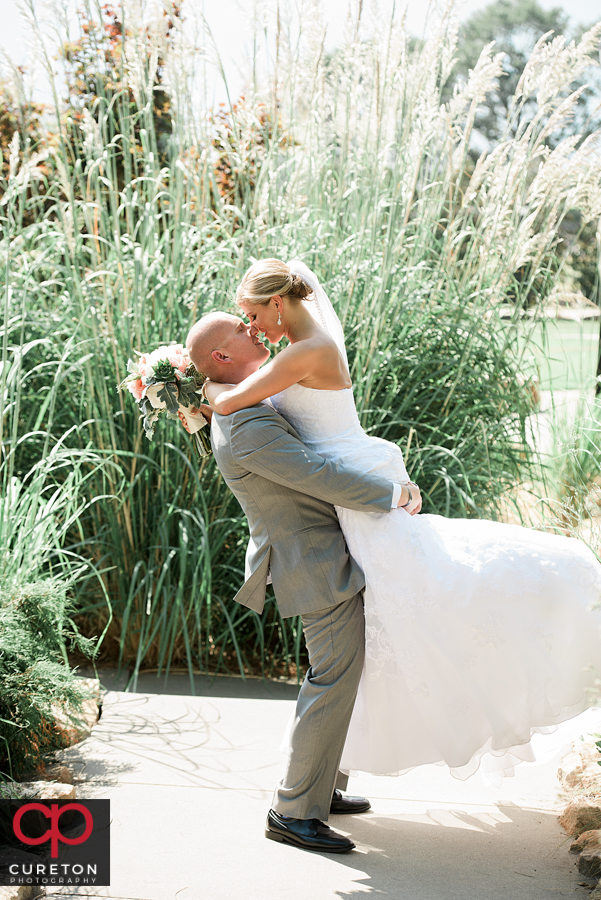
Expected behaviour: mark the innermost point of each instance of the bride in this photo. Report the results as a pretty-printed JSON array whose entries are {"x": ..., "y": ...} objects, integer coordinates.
[{"x": 478, "y": 633}]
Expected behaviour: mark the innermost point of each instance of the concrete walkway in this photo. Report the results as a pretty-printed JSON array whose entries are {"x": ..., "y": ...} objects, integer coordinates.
[{"x": 190, "y": 779}]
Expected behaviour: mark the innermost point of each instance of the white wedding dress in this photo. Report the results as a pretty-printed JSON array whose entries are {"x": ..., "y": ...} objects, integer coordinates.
[{"x": 478, "y": 634}]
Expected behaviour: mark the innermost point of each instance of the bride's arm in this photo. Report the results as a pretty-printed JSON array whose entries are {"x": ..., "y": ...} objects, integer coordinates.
[{"x": 288, "y": 367}]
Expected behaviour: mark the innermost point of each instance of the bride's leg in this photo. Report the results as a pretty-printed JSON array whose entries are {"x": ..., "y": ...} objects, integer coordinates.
[{"x": 336, "y": 643}]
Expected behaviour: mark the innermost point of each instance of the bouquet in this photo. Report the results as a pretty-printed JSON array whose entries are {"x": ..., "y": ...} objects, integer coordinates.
[{"x": 165, "y": 381}]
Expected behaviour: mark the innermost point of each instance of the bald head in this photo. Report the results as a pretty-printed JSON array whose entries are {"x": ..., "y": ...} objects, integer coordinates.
[
  {"x": 208, "y": 334},
  {"x": 222, "y": 347}
]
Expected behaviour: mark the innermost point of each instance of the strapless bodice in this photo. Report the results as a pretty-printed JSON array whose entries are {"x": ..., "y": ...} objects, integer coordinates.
[{"x": 327, "y": 423}]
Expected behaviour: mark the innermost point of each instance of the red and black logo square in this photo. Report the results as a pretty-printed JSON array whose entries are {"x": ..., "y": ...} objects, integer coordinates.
[{"x": 55, "y": 842}]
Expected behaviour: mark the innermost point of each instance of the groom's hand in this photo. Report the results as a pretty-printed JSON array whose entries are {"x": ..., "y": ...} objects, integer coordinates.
[{"x": 207, "y": 412}]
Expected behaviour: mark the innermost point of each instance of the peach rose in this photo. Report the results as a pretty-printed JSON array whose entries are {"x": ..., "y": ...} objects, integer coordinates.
[
  {"x": 136, "y": 387},
  {"x": 143, "y": 366},
  {"x": 176, "y": 354}
]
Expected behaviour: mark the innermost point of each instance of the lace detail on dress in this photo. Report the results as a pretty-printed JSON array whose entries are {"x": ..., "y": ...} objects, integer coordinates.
[{"x": 487, "y": 623}]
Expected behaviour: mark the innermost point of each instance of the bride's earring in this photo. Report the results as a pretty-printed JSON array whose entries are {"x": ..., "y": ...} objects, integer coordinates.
[{"x": 279, "y": 317}]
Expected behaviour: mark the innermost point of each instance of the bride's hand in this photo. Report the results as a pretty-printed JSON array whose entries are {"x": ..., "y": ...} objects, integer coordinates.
[
  {"x": 414, "y": 507},
  {"x": 418, "y": 506}
]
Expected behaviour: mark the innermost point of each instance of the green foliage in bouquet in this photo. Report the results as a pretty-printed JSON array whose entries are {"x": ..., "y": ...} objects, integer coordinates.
[
  {"x": 184, "y": 390},
  {"x": 165, "y": 381},
  {"x": 172, "y": 392}
]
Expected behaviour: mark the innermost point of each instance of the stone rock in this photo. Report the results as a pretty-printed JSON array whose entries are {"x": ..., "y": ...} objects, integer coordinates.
[
  {"x": 21, "y": 892},
  {"x": 54, "y": 772},
  {"x": 588, "y": 840},
  {"x": 58, "y": 773},
  {"x": 43, "y": 790},
  {"x": 580, "y": 816},
  {"x": 580, "y": 768},
  {"x": 77, "y": 725},
  {"x": 596, "y": 892},
  {"x": 589, "y": 863}
]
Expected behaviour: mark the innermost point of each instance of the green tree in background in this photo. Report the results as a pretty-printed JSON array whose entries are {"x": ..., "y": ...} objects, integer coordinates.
[
  {"x": 95, "y": 78},
  {"x": 17, "y": 115},
  {"x": 515, "y": 26}
]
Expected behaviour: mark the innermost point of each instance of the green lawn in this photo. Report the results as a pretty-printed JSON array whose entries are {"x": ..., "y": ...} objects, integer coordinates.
[{"x": 565, "y": 353}]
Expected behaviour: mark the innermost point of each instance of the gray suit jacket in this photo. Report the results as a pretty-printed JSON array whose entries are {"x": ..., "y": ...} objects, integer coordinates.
[{"x": 287, "y": 492}]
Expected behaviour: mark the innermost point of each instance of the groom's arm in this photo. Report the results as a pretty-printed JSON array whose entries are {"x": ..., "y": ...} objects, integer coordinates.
[{"x": 261, "y": 444}]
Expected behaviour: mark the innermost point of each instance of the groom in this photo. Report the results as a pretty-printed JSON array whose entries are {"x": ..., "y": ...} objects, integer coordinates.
[{"x": 287, "y": 493}]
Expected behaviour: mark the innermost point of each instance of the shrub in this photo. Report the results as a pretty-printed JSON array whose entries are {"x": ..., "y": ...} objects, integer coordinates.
[{"x": 35, "y": 679}]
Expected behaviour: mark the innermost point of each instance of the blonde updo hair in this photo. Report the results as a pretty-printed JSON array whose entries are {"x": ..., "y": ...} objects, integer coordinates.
[{"x": 266, "y": 279}]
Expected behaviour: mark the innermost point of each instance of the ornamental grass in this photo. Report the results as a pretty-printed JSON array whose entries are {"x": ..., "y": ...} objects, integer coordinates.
[{"x": 140, "y": 207}]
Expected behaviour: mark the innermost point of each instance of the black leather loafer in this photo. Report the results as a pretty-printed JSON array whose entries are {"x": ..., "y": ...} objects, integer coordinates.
[
  {"x": 348, "y": 805},
  {"x": 309, "y": 834}
]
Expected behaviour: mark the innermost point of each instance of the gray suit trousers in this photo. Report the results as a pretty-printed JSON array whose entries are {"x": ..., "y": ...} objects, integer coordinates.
[{"x": 335, "y": 640}]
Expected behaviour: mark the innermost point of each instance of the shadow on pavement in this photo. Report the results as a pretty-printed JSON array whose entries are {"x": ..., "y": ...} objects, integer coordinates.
[
  {"x": 199, "y": 686},
  {"x": 173, "y": 739},
  {"x": 503, "y": 854}
]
